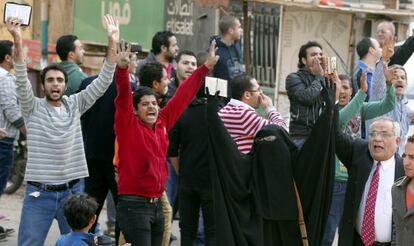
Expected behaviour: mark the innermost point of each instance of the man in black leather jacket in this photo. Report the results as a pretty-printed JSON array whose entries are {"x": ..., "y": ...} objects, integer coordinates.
[{"x": 304, "y": 89}]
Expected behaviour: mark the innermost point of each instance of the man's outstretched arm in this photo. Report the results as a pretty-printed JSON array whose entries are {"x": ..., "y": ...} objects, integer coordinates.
[
  {"x": 97, "y": 88},
  {"x": 24, "y": 88}
]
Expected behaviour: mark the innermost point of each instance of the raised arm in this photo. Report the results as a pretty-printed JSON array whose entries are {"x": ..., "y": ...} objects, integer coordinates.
[
  {"x": 374, "y": 109},
  {"x": 123, "y": 100},
  {"x": 355, "y": 105},
  {"x": 24, "y": 89},
  {"x": 187, "y": 90},
  {"x": 97, "y": 88},
  {"x": 256, "y": 122},
  {"x": 297, "y": 89},
  {"x": 403, "y": 53}
]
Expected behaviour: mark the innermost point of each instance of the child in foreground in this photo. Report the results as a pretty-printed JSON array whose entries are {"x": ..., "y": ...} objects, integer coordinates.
[{"x": 80, "y": 213}]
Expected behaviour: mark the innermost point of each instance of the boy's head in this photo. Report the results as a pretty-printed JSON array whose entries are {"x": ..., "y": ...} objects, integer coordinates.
[
  {"x": 400, "y": 80},
  {"x": 345, "y": 92},
  {"x": 145, "y": 105},
  {"x": 80, "y": 212}
]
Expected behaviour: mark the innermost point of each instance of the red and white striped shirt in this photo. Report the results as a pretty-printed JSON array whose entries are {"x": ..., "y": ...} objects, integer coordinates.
[{"x": 242, "y": 122}]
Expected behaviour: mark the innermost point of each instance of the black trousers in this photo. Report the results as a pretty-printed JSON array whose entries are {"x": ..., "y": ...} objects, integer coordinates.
[
  {"x": 191, "y": 199},
  {"x": 141, "y": 221},
  {"x": 101, "y": 180}
]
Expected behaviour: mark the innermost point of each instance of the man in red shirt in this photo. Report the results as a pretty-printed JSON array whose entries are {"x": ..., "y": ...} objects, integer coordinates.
[
  {"x": 142, "y": 135},
  {"x": 403, "y": 200}
]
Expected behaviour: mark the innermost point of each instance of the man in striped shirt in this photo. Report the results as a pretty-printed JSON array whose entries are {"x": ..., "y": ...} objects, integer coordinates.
[
  {"x": 56, "y": 158},
  {"x": 239, "y": 115}
]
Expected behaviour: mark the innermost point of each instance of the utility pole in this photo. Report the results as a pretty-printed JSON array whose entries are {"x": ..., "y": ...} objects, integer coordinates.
[{"x": 44, "y": 8}]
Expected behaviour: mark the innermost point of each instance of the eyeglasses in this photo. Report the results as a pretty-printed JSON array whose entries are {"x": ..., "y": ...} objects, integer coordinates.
[
  {"x": 382, "y": 134},
  {"x": 258, "y": 90}
]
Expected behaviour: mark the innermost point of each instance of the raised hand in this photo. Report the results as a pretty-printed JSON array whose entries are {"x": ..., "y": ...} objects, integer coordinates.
[
  {"x": 316, "y": 67},
  {"x": 211, "y": 58},
  {"x": 388, "y": 48},
  {"x": 123, "y": 53},
  {"x": 338, "y": 83},
  {"x": 13, "y": 26},
  {"x": 112, "y": 28},
  {"x": 265, "y": 101},
  {"x": 388, "y": 73}
]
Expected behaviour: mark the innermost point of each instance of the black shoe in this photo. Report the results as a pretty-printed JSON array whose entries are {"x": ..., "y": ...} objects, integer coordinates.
[
  {"x": 6, "y": 231},
  {"x": 105, "y": 240}
]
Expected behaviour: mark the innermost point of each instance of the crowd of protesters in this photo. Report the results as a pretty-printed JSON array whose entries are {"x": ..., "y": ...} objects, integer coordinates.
[{"x": 140, "y": 133}]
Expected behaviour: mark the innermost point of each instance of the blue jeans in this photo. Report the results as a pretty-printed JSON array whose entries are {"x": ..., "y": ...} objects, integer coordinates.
[
  {"x": 6, "y": 161},
  {"x": 39, "y": 209},
  {"x": 141, "y": 221},
  {"x": 335, "y": 212}
]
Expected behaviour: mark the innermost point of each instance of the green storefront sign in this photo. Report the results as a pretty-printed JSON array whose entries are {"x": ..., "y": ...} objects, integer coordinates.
[{"x": 139, "y": 19}]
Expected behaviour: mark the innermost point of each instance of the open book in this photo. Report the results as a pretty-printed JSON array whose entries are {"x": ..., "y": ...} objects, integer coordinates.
[
  {"x": 215, "y": 84},
  {"x": 21, "y": 11}
]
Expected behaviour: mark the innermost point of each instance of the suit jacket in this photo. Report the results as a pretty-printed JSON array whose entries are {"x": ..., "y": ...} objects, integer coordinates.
[
  {"x": 356, "y": 157},
  {"x": 403, "y": 218}
]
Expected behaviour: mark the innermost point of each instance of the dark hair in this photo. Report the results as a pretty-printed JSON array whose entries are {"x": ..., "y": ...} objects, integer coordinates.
[
  {"x": 184, "y": 52},
  {"x": 140, "y": 92},
  {"x": 79, "y": 210},
  {"x": 344, "y": 77},
  {"x": 64, "y": 45},
  {"x": 240, "y": 84},
  {"x": 160, "y": 39},
  {"x": 410, "y": 139},
  {"x": 5, "y": 49},
  {"x": 53, "y": 66},
  {"x": 149, "y": 72},
  {"x": 303, "y": 49},
  {"x": 363, "y": 46},
  {"x": 226, "y": 22}
]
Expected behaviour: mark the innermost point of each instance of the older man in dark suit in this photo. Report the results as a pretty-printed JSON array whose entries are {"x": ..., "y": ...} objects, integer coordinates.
[
  {"x": 403, "y": 200},
  {"x": 373, "y": 167}
]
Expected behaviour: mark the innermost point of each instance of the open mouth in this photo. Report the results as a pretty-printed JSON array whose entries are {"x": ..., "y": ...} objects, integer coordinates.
[
  {"x": 151, "y": 115},
  {"x": 55, "y": 92},
  {"x": 378, "y": 148}
]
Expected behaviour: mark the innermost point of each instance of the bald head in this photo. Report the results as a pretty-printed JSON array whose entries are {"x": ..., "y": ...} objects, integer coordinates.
[{"x": 385, "y": 29}]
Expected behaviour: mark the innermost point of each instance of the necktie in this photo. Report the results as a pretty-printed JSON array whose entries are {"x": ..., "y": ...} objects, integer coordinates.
[{"x": 368, "y": 226}]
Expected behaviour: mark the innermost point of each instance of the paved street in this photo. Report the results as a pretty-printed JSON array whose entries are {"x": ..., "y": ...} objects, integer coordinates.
[{"x": 11, "y": 205}]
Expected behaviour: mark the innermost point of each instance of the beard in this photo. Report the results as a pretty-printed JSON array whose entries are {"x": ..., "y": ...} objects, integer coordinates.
[
  {"x": 169, "y": 56},
  {"x": 49, "y": 97}
]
